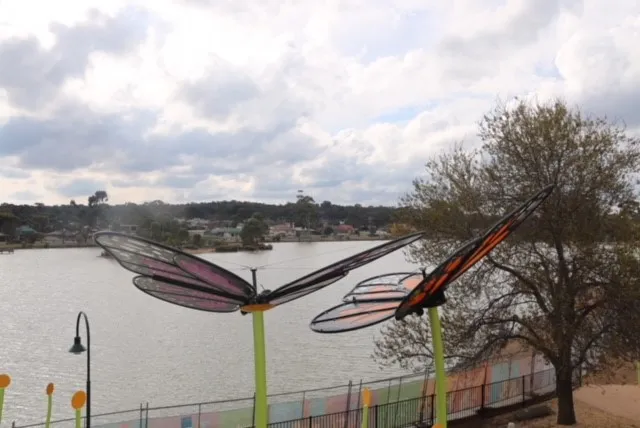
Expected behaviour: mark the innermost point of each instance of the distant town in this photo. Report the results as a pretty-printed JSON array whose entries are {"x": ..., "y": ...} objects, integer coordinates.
[{"x": 215, "y": 226}]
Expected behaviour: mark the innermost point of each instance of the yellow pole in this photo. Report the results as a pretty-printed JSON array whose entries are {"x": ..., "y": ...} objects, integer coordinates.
[
  {"x": 49, "y": 391},
  {"x": 366, "y": 402},
  {"x": 77, "y": 402},
  {"x": 5, "y": 381}
]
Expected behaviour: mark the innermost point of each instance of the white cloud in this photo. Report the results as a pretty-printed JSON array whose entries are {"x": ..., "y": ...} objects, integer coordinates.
[{"x": 197, "y": 99}]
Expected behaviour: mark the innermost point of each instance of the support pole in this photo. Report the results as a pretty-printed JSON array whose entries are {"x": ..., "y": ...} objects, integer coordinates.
[
  {"x": 441, "y": 376},
  {"x": 260, "y": 360}
]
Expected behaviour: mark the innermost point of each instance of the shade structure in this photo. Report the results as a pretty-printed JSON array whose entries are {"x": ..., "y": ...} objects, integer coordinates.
[
  {"x": 380, "y": 298},
  {"x": 183, "y": 279}
]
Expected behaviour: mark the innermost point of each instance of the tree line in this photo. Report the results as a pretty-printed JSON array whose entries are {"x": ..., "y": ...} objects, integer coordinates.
[{"x": 97, "y": 212}]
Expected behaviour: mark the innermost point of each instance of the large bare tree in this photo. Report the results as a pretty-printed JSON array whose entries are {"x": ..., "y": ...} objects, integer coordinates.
[{"x": 567, "y": 282}]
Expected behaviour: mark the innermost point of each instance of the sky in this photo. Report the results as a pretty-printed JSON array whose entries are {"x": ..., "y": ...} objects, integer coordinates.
[{"x": 196, "y": 100}]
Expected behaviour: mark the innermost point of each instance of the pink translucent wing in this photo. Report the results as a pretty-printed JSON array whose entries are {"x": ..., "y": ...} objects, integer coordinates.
[
  {"x": 338, "y": 270},
  {"x": 384, "y": 287},
  {"x": 213, "y": 274},
  {"x": 351, "y": 316},
  {"x": 158, "y": 261},
  {"x": 184, "y": 297}
]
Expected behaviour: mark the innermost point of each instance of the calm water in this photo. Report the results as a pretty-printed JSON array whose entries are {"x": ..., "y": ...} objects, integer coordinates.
[{"x": 145, "y": 350}]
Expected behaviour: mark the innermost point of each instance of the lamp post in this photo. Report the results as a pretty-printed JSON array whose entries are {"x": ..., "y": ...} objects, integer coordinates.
[{"x": 77, "y": 349}]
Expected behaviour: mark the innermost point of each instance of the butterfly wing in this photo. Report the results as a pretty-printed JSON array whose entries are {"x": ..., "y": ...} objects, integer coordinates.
[
  {"x": 384, "y": 287},
  {"x": 336, "y": 271},
  {"x": 372, "y": 301},
  {"x": 504, "y": 227},
  {"x": 175, "y": 276},
  {"x": 428, "y": 292},
  {"x": 469, "y": 254},
  {"x": 353, "y": 316},
  {"x": 186, "y": 297}
]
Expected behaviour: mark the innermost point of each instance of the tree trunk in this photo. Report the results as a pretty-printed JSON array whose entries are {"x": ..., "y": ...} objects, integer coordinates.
[{"x": 564, "y": 390}]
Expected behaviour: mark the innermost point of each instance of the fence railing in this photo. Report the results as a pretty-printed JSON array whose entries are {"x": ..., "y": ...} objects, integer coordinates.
[
  {"x": 421, "y": 411},
  {"x": 497, "y": 382}
]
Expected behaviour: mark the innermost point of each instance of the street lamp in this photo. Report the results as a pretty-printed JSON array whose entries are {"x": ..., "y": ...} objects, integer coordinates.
[{"x": 77, "y": 349}]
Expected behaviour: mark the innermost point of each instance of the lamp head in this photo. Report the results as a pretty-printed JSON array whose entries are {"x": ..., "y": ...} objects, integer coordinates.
[{"x": 77, "y": 347}]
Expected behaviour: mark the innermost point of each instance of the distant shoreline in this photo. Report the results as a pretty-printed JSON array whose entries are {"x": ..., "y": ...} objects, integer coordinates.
[{"x": 315, "y": 238}]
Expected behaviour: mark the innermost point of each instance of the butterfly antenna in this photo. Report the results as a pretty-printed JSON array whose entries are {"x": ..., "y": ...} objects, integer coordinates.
[{"x": 254, "y": 276}]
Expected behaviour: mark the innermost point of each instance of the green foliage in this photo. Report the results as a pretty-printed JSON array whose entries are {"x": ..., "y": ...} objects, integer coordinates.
[
  {"x": 98, "y": 213},
  {"x": 306, "y": 211},
  {"x": 254, "y": 230},
  {"x": 567, "y": 283}
]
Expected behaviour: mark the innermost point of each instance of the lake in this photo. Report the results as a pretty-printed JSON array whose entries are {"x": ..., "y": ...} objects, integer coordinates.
[{"x": 146, "y": 350}]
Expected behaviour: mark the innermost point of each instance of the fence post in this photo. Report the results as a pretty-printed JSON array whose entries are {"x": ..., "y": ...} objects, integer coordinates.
[
  {"x": 524, "y": 397},
  {"x": 433, "y": 416},
  {"x": 302, "y": 409},
  {"x": 375, "y": 416},
  {"x": 346, "y": 414},
  {"x": 395, "y": 409},
  {"x": 358, "y": 405},
  {"x": 140, "y": 418},
  {"x": 253, "y": 418},
  {"x": 423, "y": 395},
  {"x": 310, "y": 421},
  {"x": 146, "y": 415},
  {"x": 199, "y": 412},
  {"x": 482, "y": 395}
]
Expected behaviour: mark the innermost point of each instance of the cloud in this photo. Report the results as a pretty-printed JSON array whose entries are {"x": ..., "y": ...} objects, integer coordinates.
[
  {"x": 24, "y": 196},
  {"x": 8, "y": 172},
  {"x": 36, "y": 74},
  {"x": 197, "y": 100},
  {"x": 79, "y": 188}
]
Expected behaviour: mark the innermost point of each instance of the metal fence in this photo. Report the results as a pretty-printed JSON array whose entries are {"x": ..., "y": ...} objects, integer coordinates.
[
  {"x": 461, "y": 404},
  {"x": 498, "y": 382}
]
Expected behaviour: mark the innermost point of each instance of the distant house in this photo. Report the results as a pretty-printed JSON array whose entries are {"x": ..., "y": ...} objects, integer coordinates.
[
  {"x": 194, "y": 232},
  {"x": 26, "y": 232},
  {"x": 382, "y": 233},
  {"x": 131, "y": 229},
  {"x": 198, "y": 223},
  {"x": 230, "y": 234},
  {"x": 344, "y": 229},
  {"x": 59, "y": 237},
  {"x": 282, "y": 229}
]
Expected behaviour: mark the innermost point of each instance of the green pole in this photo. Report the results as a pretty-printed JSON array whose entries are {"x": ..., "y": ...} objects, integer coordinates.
[
  {"x": 366, "y": 402},
  {"x": 47, "y": 423},
  {"x": 79, "y": 418},
  {"x": 365, "y": 416},
  {"x": 1, "y": 402},
  {"x": 260, "y": 360},
  {"x": 637, "y": 372},
  {"x": 441, "y": 376}
]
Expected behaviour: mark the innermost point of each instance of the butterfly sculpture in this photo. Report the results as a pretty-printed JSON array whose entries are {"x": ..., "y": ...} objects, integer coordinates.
[
  {"x": 186, "y": 280},
  {"x": 398, "y": 295}
]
